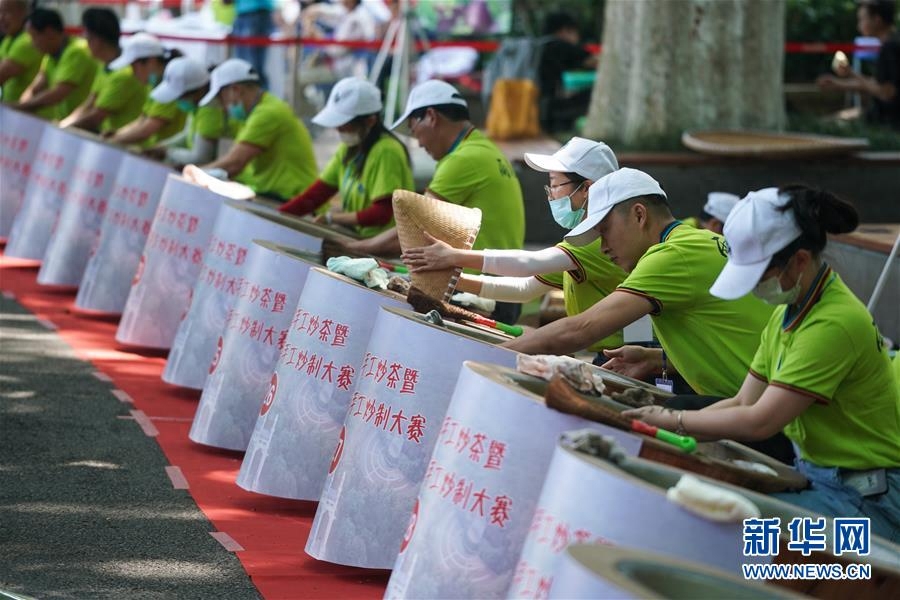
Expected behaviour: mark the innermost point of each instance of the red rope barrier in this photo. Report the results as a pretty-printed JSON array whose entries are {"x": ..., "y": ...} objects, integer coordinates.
[{"x": 483, "y": 46}]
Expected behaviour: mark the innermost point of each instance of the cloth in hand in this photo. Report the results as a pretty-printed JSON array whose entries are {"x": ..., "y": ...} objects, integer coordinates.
[{"x": 470, "y": 300}]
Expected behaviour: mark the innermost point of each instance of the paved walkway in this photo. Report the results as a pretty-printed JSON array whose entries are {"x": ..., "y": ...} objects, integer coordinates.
[{"x": 86, "y": 507}]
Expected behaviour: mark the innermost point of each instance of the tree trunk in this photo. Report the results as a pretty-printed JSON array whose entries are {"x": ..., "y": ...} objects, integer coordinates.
[{"x": 672, "y": 65}]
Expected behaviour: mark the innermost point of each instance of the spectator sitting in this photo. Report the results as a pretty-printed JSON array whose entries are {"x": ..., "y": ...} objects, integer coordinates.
[
  {"x": 875, "y": 18},
  {"x": 562, "y": 52}
]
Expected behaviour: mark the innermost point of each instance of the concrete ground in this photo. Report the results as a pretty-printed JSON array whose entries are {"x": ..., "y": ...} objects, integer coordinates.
[{"x": 86, "y": 507}]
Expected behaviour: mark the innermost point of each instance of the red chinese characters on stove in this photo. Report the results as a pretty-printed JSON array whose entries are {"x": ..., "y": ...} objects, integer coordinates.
[
  {"x": 312, "y": 347},
  {"x": 482, "y": 496},
  {"x": 386, "y": 417}
]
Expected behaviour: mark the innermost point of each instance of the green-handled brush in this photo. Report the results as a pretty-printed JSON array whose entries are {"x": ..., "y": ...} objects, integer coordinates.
[
  {"x": 561, "y": 396},
  {"x": 423, "y": 303}
]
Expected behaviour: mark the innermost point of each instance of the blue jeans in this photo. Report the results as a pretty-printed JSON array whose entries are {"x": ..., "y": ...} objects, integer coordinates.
[
  {"x": 829, "y": 496},
  {"x": 253, "y": 24}
]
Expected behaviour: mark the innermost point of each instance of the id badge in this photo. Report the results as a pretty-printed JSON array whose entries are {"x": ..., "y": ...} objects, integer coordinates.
[
  {"x": 867, "y": 483},
  {"x": 665, "y": 385}
]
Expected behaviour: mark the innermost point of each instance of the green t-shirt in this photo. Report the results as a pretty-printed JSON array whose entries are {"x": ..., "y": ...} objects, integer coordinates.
[
  {"x": 594, "y": 278},
  {"x": 386, "y": 169},
  {"x": 223, "y": 13},
  {"x": 120, "y": 94},
  {"x": 692, "y": 222},
  {"x": 20, "y": 50},
  {"x": 831, "y": 350},
  {"x": 287, "y": 164},
  {"x": 169, "y": 112},
  {"x": 709, "y": 340},
  {"x": 896, "y": 362},
  {"x": 74, "y": 65},
  {"x": 477, "y": 175},
  {"x": 208, "y": 121}
]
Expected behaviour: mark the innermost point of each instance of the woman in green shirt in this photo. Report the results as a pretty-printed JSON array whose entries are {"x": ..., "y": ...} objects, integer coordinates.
[
  {"x": 821, "y": 373},
  {"x": 368, "y": 166},
  {"x": 584, "y": 273},
  {"x": 158, "y": 121},
  {"x": 185, "y": 82}
]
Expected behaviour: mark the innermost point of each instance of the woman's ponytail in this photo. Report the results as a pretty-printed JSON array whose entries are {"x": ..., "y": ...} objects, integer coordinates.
[{"x": 818, "y": 213}]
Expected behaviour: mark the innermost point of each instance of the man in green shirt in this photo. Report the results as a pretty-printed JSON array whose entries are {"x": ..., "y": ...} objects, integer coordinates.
[
  {"x": 708, "y": 340},
  {"x": 584, "y": 273},
  {"x": 19, "y": 59},
  {"x": 471, "y": 171},
  {"x": 117, "y": 95},
  {"x": 273, "y": 152},
  {"x": 67, "y": 72}
]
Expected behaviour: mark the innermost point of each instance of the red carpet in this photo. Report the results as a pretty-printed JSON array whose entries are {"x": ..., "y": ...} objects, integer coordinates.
[{"x": 271, "y": 531}]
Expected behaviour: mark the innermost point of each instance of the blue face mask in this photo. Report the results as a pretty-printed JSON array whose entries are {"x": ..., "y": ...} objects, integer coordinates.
[
  {"x": 563, "y": 213},
  {"x": 237, "y": 112},
  {"x": 187, "y": 106},
  {"x": 153, "y": 79}
]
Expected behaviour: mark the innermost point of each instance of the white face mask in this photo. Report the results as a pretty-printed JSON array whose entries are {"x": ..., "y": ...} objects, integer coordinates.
[
  {"x": 770, "y": 292},
  {"x": 351, "y": 138}
]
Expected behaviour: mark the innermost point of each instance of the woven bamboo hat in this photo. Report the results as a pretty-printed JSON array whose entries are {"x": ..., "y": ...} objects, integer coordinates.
[{"x": 451, "y": 223}]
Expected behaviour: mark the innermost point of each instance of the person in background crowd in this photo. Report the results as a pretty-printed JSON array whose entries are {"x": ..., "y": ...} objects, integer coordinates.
[
  {"x": 821, "y": 372},
  {"x": 223, "y": 12},
  {"x": 273, "y": 152},
  {"x": 158, "y": 121},
  {"x": 20, "y": 60},
  {"x": 185, "y": 82},
  {"x": 471, "y": 171},
  {"x": 875, "y": 18},
  {"x": 117, "y": 95},
  {"x": 67, "y": 71},
  {"x": 584, "y": 273},
  {"x": 560, "y": 53},
  {"x": 253, "y": 18},
  {"x": 368, "y": 166},
  {"x": 359, "y": 25},
  {"x": 714, "y": 213}
]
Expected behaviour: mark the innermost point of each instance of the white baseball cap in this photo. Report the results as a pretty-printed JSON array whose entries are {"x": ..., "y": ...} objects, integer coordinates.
[
  {"x": 720, "y": 204},
  {"x": 755, "y": 231},
  {"x": 615, "y": 188},
  {"x": 233, "y": 70},
  {"x": 140, "y": 45},
  {"x": 590, "y": 159},
  {"x": 428, "y": 93},
  {"x": 182, "y": 75},
  {"x": 350, "y": 97}
]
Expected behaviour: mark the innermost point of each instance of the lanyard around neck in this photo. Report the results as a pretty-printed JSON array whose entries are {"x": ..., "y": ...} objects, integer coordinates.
[
  {"x": 462, "y": 135},
  {"x": 665, "y": 232}
]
